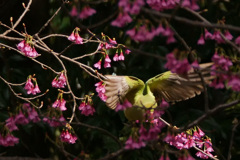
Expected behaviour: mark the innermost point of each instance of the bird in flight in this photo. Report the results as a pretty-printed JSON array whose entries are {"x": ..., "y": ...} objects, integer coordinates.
[{"x": 171, "y": 87}]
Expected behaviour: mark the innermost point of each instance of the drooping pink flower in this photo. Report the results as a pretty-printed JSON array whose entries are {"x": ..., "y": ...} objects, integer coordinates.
[
  {"x": 86, "y": 12},
  {"x": 100, "y": 89},
  {"x": 72, "y": 37},
  {"x": 36, "y": 90},
  {"x": 127, "y": 51},
  {"x": 68, "y": 137},
  {"x": 79, "y": 39},
  {"x": 133, "y": 144},
  {"x": 74, "y": 11},
  {"x": 217, "y": 37},
  {"x": 21, "y": 119},
  {"x": 98, "y": 64},
  {"x": 122, "y": 19},
  {"x": 86, "y": 109},
  {"x": 228, "y": 35},
  {"x": 115, "y": 58},
  {"x": 29, "y": 85},
  {"x": 8, "y": 140},
  {"x": 237, "y": 40},
  {"x": 164, "y": 104},
  {"x": 126, "y": 104},
  {"x": 121, "y": 57},
  {"x": 59, "y": 81},
  {"x": 21, "y": 45},
  {"x": 107, "y": 62},
  {"x": 234, "y": 83},
  {"x": 60, "y": 103},
  {"x": 207, "y": 34},
  {"x": 201, "y": 40},
  {"x": 10, "y": 123},
  {"x": 33, "y": 115}
]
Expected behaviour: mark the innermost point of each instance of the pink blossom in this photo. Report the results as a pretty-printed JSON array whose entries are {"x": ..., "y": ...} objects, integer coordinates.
[
  {"x": 112, "y": 41},
  {"x": 164, "y": 104},
  {"x": 21, "y": 45},
  {"x": 33, "y": 115},
  {"x": 131, "y": 32},
  {"x": 98, "y": 64},
  {"x": 107, "y": 59},
  {"x": 86, "y": 12},
  {"x": 217, "y": 37},
  {"x": 121, "y": 57},
  {"x": 122, "y": 20},
  {"x": 106, "y": 65},
  {"x": 79, "y": 40},
  {"x": 60, "y": 103},
  {"x": 55, "y": 121},
  {"x": 74, "y": 11},
  {"x": 86, "y": 109},
  {"x": 100, "y": 89},
  {"x": 127, "y": 51},
  {"x": 8, "y": 140},
  {"x": 208, "y": 35},
  {"x": 10, "y": 123},
  {"x": 171, "y": 39},
  {"x": 159, "y": 29},
  {"x": 29, "y": 85},
  {"x": 59, "y": 81},
  {"x": 21, "y": 119},
  {"x": 234, "y": 83},
  {"x": 132, "y": 144},
  {"x": 68, "y": 137},
  {"x": 201, "y": 40},
  {"x": 115, "y": 58},
  {"x": 237, "y": 40},
  {"x": 126, "y": 104},
  {"x": 72, "y": 37},
  {"x": 228, "y": 35},
  {"x": 36, "y": 90}
]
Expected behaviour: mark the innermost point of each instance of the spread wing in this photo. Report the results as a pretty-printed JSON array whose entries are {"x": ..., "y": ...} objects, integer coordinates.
[
  {"x": 173, "y": 87},
  {"x": 117, "y": 87}
]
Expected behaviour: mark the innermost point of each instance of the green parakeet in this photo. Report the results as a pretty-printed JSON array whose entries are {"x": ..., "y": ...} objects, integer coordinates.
[{"x": 169, "y": 86}]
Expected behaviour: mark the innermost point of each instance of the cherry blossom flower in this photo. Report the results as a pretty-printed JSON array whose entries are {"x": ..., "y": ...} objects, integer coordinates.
[
  {"x": 28, "y": 50},
  {"x": 75, "y": 37},
  {"x": 127, "y": 51},
  {"x": 10, "y": 123},
  {"x": 121, "y": 57},
  {"x": 86, "y": 109},
  {"x": 29, "y": 86},
  {"x": 33, "y": 115},
  {"x": 133, "y": 144},
  {"x": 98, "y": 64},
  {"x": 228, "y": 35},
  {"x": 207, "y": 34},
  {"x": 59, "y": 81},
  {"x": 201, "y": 40},
  {"x": 237, "y": 40},
  {"x": 21, "y": 119},
  {"x": 126, "y": 104},
  {"x": 100, "y": 89},
  {"x": 72, "y": 37},
  {"x": 164, "y": 104},
  {"x": 115, "y": 58},
  {"x": 122, "y": 19},
  {"x": 86, "y": 12},
  {"x": 234, "y": 83},
  {"x": 8, "y": 140},
  {"x": 68, "y": 137},
  {"x": 74, "y": 11},
  {"x": 217, "y": 37},
  {"x": 55, "y": 121},
  {"x": 60, "y": 103}
]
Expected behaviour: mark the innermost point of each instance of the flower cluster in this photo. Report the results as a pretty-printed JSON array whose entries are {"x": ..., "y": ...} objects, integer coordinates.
[
  {"x": 177, "y": 66},
  {"x": 68, "y": 137},
  {"x": 85, "y": 12},
  {"x": 104, "y": 47},
  {"x": 55, "y": 121},
  {"x": 221, "y": 63},
  {"x": 8, "y": 140},
  {"x": 59, "y": 81},
  {"x": 75, "y": 37},
  {"x": 86, "y": 107},
  {"x": 26, "y": 115},
  {"x": 191, "y": 138},
  {"x": 60, "y": 102},
  {"x": 31, "y": 85},
  {"x": 100, "y": 89},
  {"x": 145, "y": 33},
  {"x": 161, "y": 5},
  {"x": 127, "y": 7},
  {"x": 215, "y": 36},
  {"x": 26, "y": 46},
  {"x": 126, "y": 104},
  {"x": 131, "y": 143}
]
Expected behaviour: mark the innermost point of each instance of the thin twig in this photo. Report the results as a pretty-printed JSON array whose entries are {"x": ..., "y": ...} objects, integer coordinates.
[{"x": 19, "y": 19}]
